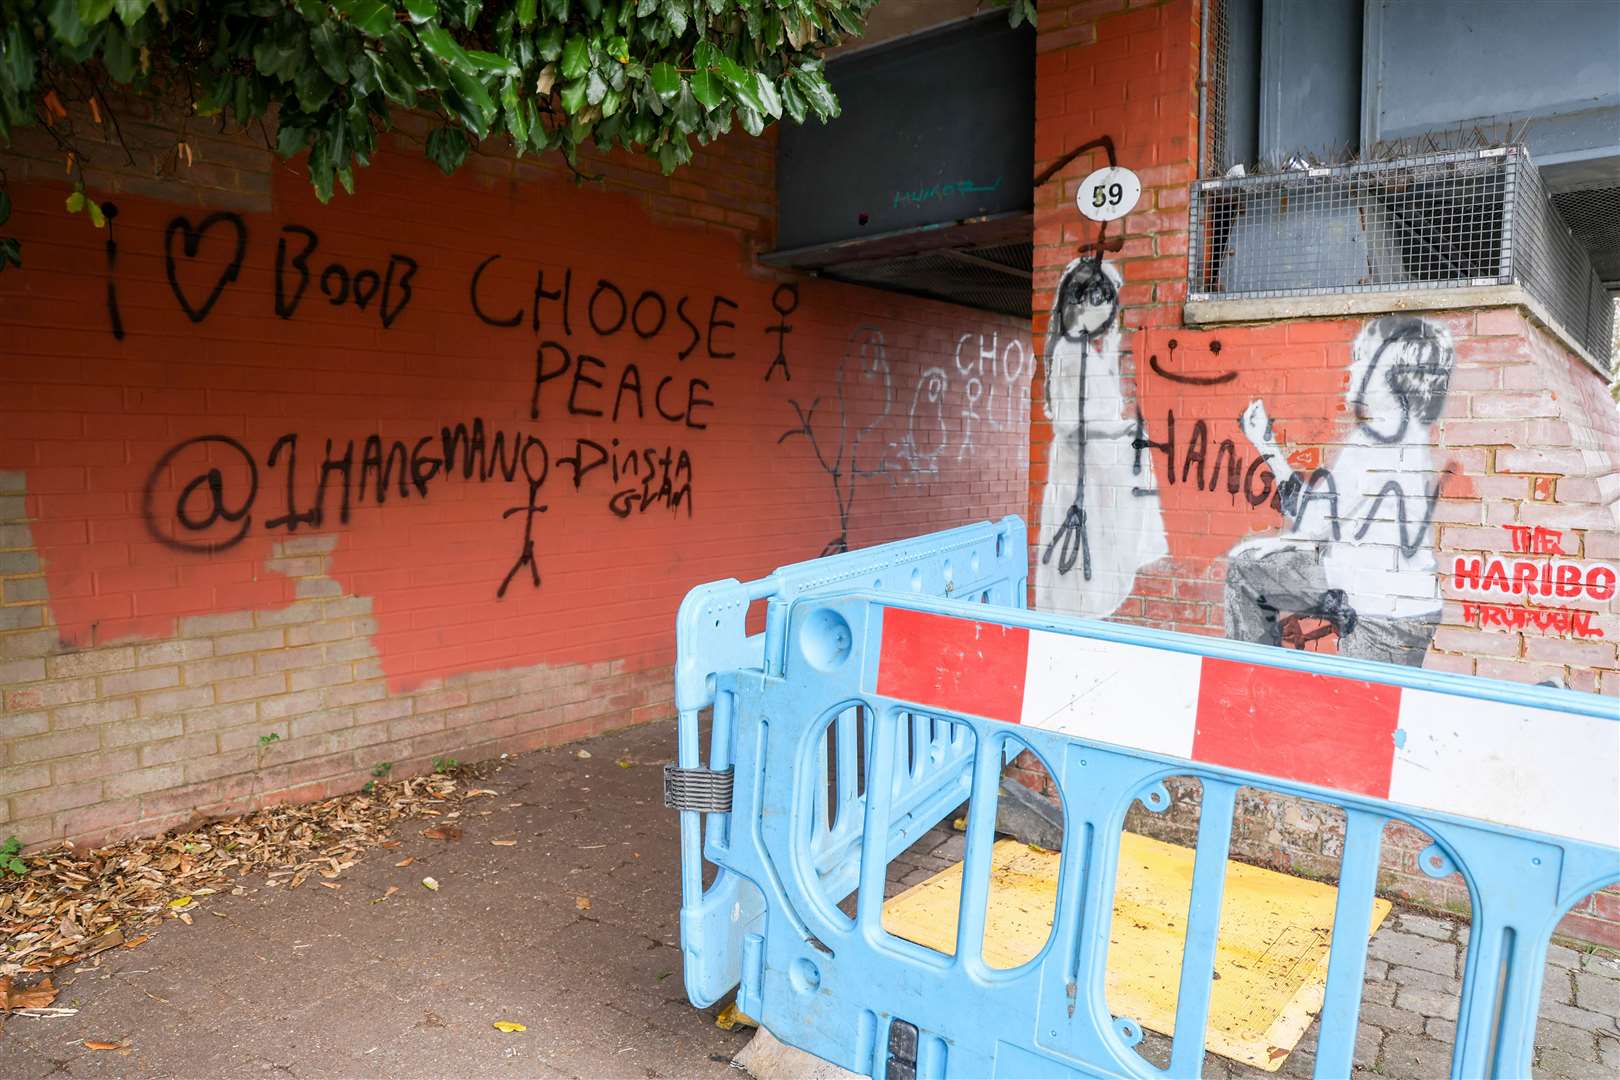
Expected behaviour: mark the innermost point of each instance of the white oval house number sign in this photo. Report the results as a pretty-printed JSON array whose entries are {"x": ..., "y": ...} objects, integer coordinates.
[{"x": 1109, "y": 193}]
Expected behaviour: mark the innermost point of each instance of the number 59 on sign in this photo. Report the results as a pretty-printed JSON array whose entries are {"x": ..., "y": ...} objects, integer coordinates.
[{"x": 1109, "y": 193}]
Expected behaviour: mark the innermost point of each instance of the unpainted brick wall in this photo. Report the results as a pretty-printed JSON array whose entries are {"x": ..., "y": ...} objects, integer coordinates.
[
  {"x": 180, "y": 635},
  {"x": 1526, "y": 450}
]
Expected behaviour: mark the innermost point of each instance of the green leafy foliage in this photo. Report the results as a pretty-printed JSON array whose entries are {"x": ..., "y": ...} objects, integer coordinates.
[
  {"x": 11, "y": 851},
  {"x": 80, "y": 203},
  {"x": 447, "y": 148},
  {"x": 10, "y": 249},
  {"x": 379, "y": 771},
  {"x": 647, "y": 75}
]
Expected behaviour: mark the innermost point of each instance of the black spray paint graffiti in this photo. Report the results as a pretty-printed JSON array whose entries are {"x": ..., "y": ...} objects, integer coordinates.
[
  {"x": 337, "y": 282},
  {"x": 526, "y": 558},
  {"x": 609, "y": 311},
  {"x": 1103, "y": 244},
  {"x": 1414, "y": 359},
  {"x": 210, "y": 482},
  {"x": 1191, "y": 380},
  {"x": 109, "y": 211},
  {"x": 1252, "y": 480},
  {"x": 183, "y": 244},
  {"x": 214, "y": 497},
  {"x": 1349, "y": 522},
  {"x": 672, "y": 402},
  {"x": 191, "y": 237},
  {"x": 1248, "y": 479},
  {"x": 866, "y": 350},
  {"x": 205, "y": 513},
  {"x": 1087, "y": 305},
  {"x": 784, "y": 301}
]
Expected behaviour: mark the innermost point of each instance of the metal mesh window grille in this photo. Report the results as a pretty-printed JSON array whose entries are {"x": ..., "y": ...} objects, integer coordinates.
[
  {"x": 1594, "y": 215},
  {"x": 1449, "y": 220},
  {"x": 1212, "y": 91}
]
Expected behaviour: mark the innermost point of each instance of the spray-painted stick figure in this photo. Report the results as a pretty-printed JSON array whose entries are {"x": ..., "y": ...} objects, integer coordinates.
[{"x": 1099, "y": 522}]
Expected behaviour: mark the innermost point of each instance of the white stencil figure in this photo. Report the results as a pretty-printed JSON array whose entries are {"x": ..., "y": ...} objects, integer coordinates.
[
  {"x": 1355, "y": 549},
  {"x": 1100, "y": 515}
]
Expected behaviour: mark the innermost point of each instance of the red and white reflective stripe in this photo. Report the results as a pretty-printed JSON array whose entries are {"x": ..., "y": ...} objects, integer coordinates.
[{"x": 1536, "y": 769}]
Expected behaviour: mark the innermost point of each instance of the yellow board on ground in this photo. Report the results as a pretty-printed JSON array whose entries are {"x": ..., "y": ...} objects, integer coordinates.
[{"x": 1270, "y": 960}]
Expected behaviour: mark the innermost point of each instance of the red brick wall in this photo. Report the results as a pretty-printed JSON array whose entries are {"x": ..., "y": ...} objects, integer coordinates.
[
  {"x": 236, "y": 565},
  {"x": 1521, "y": 461}
]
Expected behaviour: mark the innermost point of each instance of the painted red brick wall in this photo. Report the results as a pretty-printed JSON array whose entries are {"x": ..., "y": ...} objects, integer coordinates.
[
  {"x": 289, "y": 491},
  {"x": 1506, "y": 459}
]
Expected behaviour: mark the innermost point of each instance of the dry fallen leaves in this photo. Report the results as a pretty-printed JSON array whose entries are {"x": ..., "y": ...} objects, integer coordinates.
[
  {"x": 431, "y": 884},
  {"x": 37, "y": 996},
  {"x": 92, "y": 1044},
  {"x": 509, "y": 1026},
  {"x": 73, "y": 901},
  {"x": 583, "y": 903},
  {"x": 732, "y": 1017},
  {"x": 504, "y": 843},
  {"x": 406, "y": 861},
  {"x": 443, "y": 832}
]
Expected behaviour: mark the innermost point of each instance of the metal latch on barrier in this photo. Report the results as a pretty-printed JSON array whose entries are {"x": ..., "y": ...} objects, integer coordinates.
[{"x": 704, "y": 790}]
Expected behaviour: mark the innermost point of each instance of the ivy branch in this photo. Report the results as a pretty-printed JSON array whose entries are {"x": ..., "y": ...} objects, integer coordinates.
[{"x": 649, "y": 76}]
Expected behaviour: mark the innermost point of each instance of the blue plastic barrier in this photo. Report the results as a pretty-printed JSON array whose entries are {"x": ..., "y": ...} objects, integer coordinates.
[
  {"x": 1519, "y": 786},
  {"x": 986, "y": 562}
]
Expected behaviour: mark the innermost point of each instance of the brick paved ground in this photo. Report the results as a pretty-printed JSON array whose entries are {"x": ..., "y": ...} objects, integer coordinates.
[
  {"x": 1409, "y": 1004},
  {"x": 327, "y": 983}
]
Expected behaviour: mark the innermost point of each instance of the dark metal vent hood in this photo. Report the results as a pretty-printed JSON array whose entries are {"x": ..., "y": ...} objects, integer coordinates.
[{"x": 922, "y": 186}]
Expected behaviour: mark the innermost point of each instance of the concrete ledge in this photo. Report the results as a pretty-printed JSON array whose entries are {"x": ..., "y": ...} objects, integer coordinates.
[{"x": 1338, "y": 305}]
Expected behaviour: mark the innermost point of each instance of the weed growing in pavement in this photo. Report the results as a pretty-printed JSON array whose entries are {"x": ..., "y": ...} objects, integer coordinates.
[
  {"x": 379, "y": 771},
  {"x": 10, "y": 860}
]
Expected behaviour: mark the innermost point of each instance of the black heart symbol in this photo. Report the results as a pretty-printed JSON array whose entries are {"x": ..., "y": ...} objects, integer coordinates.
[{"x": 193, "y": 234}]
